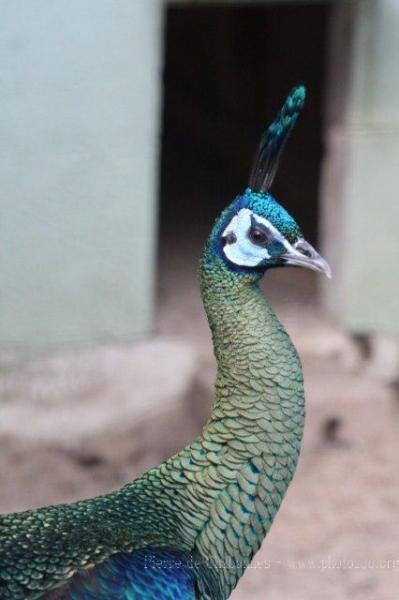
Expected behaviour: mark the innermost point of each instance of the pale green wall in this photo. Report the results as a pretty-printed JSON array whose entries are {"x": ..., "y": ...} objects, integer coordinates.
[
  {"x": 360, "y": 183},
  {"x": 371, "y": 275},
  {"x": 79, "y": 127}
]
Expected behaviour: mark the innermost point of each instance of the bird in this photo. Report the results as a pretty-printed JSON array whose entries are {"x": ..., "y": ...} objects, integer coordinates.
[{"x": 188, "y": 528}]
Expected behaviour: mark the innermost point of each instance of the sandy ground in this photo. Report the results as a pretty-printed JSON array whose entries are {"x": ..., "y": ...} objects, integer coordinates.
[{"x": 337, "y": 533}]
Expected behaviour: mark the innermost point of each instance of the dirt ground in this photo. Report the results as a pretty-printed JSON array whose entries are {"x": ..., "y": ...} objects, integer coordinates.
[{"x": 336, "y": 536}]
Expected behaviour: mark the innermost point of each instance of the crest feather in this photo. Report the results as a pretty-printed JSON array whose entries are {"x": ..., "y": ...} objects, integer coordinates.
[{"x": 267, "y": 158}]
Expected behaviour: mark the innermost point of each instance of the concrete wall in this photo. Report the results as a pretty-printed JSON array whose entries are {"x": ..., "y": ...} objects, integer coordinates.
[
  {"x": 79, "y": 122},
  {"x": 372, "y": 210},
  {"x": 361, "y": 209}
]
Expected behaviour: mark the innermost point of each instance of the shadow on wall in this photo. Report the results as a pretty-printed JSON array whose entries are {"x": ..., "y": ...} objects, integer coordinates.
[{"x": 219, "y": 96}]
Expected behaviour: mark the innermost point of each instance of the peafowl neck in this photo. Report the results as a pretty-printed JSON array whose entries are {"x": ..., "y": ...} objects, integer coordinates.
[
  {"x": 241, "y": 466},
  {"x": 217, "y": 498}
]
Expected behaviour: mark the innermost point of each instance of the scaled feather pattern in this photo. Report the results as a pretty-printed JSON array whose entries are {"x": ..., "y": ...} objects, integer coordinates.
[{"x": 189, "y": 528}]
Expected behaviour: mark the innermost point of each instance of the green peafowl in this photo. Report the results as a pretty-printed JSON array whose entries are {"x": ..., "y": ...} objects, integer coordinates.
[{"x": 188, "y": 528}]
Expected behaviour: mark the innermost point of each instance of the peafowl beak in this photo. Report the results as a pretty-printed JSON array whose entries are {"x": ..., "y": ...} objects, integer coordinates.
[{"x": 302, "y": 254}]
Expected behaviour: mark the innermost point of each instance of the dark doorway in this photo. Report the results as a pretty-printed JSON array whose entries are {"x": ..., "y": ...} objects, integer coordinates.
[{"x": 227, "y": 69}]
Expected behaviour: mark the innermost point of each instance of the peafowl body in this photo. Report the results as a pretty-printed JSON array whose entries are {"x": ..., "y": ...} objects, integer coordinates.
[{"x": 188, "y": 528}]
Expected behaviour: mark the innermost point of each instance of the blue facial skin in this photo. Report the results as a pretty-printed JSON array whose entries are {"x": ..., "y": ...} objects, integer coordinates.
[{"x": 266, "y": 206}]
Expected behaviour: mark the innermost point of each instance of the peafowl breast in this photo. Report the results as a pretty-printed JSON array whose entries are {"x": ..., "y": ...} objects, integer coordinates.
[{"x": 188, "y": 528}]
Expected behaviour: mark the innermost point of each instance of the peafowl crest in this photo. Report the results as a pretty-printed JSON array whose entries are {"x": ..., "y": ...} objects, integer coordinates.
[{"x": 188, "y": 528}]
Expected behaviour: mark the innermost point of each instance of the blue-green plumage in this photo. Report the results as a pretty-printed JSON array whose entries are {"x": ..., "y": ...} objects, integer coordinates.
[
  {"x": 146, "y": 574},
  {"x": 188, "y": 528}
]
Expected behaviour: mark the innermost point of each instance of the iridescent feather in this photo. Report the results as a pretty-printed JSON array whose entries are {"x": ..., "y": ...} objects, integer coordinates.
[
  {"x": 267, "y": 158},
  {"x": 141, "y": 575},
  {"x": 188, "y": 528}
]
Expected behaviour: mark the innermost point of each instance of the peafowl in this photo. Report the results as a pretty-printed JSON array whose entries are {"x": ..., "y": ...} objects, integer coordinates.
[{"x": 188, "y": 528}]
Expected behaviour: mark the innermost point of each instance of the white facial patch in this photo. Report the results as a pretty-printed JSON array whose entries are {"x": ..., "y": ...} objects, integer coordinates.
[{"x": 242, "y": 251}]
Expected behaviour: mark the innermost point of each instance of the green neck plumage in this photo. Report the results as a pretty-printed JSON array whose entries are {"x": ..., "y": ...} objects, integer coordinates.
[
  {"x": 219, "y": 495},
  {"x": 238, "y": 470}
]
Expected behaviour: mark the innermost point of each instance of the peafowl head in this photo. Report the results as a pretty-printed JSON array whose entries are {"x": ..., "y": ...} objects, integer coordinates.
[{"x": 255, "y": 232}]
